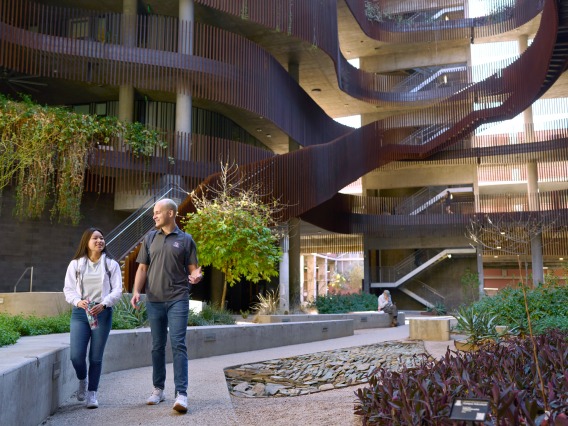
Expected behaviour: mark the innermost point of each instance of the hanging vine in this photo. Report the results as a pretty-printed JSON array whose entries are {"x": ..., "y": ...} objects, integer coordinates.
[{"x": 44, "y": 153}]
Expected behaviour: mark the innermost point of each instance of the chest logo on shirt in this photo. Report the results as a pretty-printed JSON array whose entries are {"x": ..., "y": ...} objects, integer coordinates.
[{"x": 176, "y": 245}]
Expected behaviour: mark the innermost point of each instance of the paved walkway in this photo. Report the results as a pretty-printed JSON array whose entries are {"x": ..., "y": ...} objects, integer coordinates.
[{"x": 122, "y": 395}]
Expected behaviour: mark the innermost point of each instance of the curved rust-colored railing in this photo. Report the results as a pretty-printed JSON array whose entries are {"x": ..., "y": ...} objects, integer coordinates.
[
  {"x": 330, "y": 167},
  {"x": 316, "y": 23}
]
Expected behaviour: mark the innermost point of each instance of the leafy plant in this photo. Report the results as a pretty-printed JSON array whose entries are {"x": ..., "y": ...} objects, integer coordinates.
[
  {"x": 267, "y": 305},
  {"x": 44, "y": 152},
  {"x": 210, "y": 315},
  {"x": 477, "y": 325},
  {"x": 124, "y": 316},
  {"x": 470, "y": 285},
  {"x": 338, "y": 304},
  {"x": 245, "y": 313},
  {"x": 438, "y": 309},
  {"x": 14, "y": 326},
  {"x": 544, "y": 302},
  {"x": 504, "y": 374},
  {"x": 235, "y": 230}
]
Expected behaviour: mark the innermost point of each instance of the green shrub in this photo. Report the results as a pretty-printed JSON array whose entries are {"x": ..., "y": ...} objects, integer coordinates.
[
  {"x": 342, "y": 303},
  {"x": 196, "y": 320},
  {"x": 7, "y": 335},
  {"x": 215, "y": 315},
  {"x": 545, "y": 303},
  {"x": 14, "y": 326}
]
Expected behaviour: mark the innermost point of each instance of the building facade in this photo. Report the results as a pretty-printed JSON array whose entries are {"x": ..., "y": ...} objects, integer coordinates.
[{"x": 447, "y": 190}]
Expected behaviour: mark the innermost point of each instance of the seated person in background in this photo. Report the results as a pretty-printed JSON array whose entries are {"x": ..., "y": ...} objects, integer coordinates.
[{"x": 386, "y": 305}]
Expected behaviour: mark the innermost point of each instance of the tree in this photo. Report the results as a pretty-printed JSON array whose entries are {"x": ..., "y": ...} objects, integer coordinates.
[{"x": 235, "y": 231}]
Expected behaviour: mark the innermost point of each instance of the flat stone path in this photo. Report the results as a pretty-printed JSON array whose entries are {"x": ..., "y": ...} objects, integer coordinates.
[{"x": 320, "y": 371}]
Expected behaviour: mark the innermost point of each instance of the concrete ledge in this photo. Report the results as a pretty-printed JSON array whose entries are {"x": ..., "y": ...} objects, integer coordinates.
[
  {"x": 41, "y": 304},
  {"x": 361, "y": 320},
  {"x": 36, "y": 371},
  {"x": 432, "y": 328}
]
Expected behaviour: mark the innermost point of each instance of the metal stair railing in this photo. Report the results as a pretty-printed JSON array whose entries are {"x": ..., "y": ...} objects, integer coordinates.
[
  {"x": 126, "y": 236},
  {"x": 424, "y": 291},
  {"x": 418, "y": 199}
]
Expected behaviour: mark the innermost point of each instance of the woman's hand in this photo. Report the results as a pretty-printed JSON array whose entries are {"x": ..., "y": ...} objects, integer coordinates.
[
  {"x": 83, "y": 304},
  {"x": 97, "y": 309}
]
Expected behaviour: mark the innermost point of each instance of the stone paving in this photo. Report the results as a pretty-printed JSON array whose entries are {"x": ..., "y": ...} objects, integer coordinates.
[{"x": 320, "y": 371}]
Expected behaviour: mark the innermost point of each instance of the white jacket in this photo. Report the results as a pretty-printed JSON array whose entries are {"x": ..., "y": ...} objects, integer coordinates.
[{"x": 112, "y": 289}]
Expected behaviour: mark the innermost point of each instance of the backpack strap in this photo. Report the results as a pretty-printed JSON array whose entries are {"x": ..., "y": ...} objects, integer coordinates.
[{"x": 107, "y": 269}]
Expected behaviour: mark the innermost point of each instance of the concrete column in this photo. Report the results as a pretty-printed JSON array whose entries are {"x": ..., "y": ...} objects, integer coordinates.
[
  {"x": 126, "y": 103},
  {"x": 536, "y": 239},
  {"x": 537, "y": 261},
  {"x": 475, "y": 179},
  {"x": 366, "y": 265},
  {"x": 183, "y": 97},
  {"x": 283, "y": 277},
  {"x": 480, "y": 273},
  {"x": 523, "y": 44},
  {"x": 532, "y": 186},
  {"x": 128, "y": 30},
  {"x": 294, "y": 223},
  {"x": 321, "y": 284},
  {"x": 310, "y": 277}
]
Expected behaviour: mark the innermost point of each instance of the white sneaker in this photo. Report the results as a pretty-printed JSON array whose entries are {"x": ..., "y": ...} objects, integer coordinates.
[
  {"x": 82, "y": 391},
  {"x": 156, "y": 397},
  {"x": 92, "y": 399},
  {"x": 181, "y": 404}
]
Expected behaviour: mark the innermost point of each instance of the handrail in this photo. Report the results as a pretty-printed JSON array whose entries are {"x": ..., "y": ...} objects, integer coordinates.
[
  {"x": 127, "y": 235},
  {"x": 29, "y": 268}
]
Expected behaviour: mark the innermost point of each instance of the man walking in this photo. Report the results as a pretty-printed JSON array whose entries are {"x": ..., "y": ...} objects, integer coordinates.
[
  {"x": 167, "y": 265},
  {"x": 386, "y": 305}
]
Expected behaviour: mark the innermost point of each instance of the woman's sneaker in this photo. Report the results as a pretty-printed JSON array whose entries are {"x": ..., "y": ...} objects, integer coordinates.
[
  {"x": 156, "y": 397},
  {"x": 82, "y": 391},
  {"x": 92, "y": 399},
  {"x": 181, "y": 403}
]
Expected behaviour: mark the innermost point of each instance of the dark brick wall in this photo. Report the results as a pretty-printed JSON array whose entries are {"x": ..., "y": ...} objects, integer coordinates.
[{"x": 46, "y": 246}]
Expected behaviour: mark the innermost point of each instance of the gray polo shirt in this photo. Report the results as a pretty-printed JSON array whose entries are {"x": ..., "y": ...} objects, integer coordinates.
[{"x": 168, "y": 262}]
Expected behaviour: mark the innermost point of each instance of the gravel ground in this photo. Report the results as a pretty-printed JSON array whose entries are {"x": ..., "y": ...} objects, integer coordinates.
[{"x": 330, "y": 408}]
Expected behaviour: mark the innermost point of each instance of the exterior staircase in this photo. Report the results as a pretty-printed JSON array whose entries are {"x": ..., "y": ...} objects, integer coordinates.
[{"x": 407, "y": 270}]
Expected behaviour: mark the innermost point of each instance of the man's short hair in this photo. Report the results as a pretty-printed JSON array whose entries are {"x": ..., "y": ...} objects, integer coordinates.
[
  {"x": 169, "y": 204},
  {"x": 387, "y": 292}
]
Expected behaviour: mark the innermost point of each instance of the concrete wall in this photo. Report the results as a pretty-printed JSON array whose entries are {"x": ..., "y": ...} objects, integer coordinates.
[
  {"x": 47, "y": 246},
  {"x": 40, "y": 304},
  {"x": 36, "y": 375}
]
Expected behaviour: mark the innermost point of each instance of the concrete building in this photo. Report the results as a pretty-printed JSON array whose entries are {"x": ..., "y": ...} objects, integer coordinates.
[{"x": 447, "y": 190}]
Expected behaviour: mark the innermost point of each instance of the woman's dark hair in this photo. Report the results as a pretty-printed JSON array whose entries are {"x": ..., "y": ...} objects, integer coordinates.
[{"x": 83, "y": 249}]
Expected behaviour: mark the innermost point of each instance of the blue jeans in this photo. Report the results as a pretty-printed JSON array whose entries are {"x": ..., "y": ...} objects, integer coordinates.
[
  {"x": 161, "y": 316},
  {"x": 81, "y": 333}
]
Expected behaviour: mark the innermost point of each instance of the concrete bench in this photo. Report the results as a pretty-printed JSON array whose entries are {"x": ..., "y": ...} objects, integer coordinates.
[
  {"x": 361, "y": 320},
  {"x": 429, "y": 328}
]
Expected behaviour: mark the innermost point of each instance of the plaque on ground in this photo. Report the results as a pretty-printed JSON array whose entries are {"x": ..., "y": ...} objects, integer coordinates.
[{"x": 469, "y": 409}]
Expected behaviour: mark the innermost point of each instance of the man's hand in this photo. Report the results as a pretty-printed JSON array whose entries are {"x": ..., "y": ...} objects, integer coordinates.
[
  {"x": 195, "y": 276},
  {"x": 135, "y": 299}
]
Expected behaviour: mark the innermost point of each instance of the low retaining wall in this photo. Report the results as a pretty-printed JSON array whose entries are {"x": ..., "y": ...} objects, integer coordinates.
[
  {"x": 361, "y": 320},
  {"x": 41, "y": 304},
  {"x": 36, "y": 372}
]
